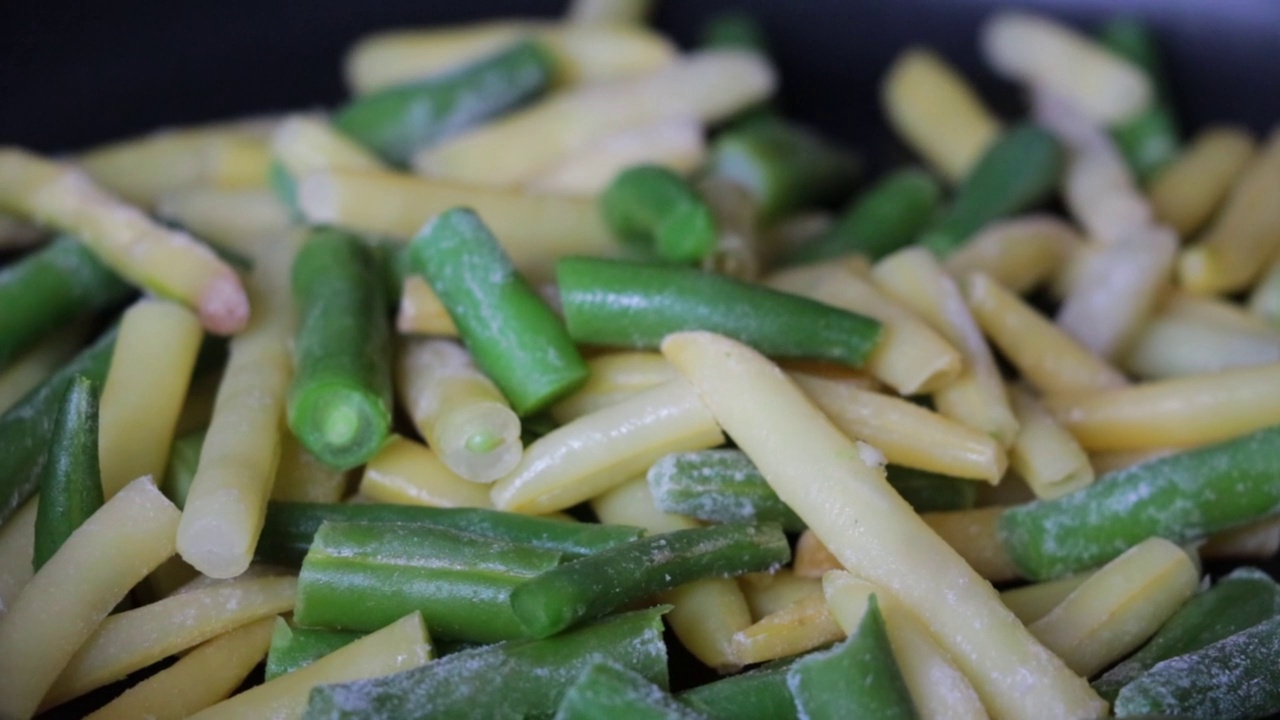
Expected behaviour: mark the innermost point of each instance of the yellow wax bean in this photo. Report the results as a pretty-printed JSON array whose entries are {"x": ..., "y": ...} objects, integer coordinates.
[
  {"x": 676, "y": 144},
  {"x": 300, "y": 477},
  {"x": 457, "y": 409},
  {"x": 909, "y": 357},
  {"x": 1034, "y": 601},
  {"x": 1119, "y": 607},
  {"x": 167, "y": 262},
  {"x": 1245, "y": 236},
  {"x": 17, "y": 545},
  {"x": 1182, "y": 412},
  {"x": 238, "y": 220},
  {"x": 614, "y": 377},
  {"x": 1045, "y": 455},
  {"x": 134, "y": 639},
  {"x": 142, "y": 398},
  {"x": 582, "y": 54},
  {"x": 1187, "y": 192},
  {"x": 906, "y": 433},
  {"x": 1175, "y": 343},
  {"x": 705, "y": 613},
  {"x": 812, "y": 559},
  {"x": 596, "y": 452},
  {"x": 421, "y": 312},
  {"x": 1044, "y": 355},
  {"x": 1264, "y": 301},
  {"x": 1019, "y": 253},
  {"x": 407, "y": 473},
  {"x": 800, "y": 627},
  {"x": 305, "y": 144},
  {"x": 850, "y": 506},
  {"x": 976, "y": 397},
  {"x": 937, "y": 113},
  {"x": 65, "y": 601},
  {"x": 201, "y": 678},
  {"x": 937, "y": 687},
  {"x": 1256, "y": 541},
  {"x": 767, "y": 593},
  {"x": 535, "y": 230},
  {"x": 710, "y": 85},
  {"x": 31, "y": 367}
]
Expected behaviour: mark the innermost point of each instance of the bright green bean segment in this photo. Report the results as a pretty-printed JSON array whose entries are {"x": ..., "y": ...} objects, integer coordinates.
[
  {"x": 655, "y": 210},
  {"x": 1148, "y": 141},
  {"x": 71, "y": 488},
  {"x": 607, "y": 690},
  {"x": 759, "y": 694},
  {"x": 296, "y": 647},
  {"x": 881, "y": 221}
]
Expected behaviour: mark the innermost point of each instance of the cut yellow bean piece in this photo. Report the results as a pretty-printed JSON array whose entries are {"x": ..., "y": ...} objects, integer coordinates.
[
  {"x": 64, "y": 602},
  {"x": 1182, "y": 412},
  {"x": 1245, "y": 236},
  {"x": 535, "y": 230},
  {"x": 937, "y": 113},
  {"x": 134, "y": 639},
  {"x": 1186, "y": 193},
  {"x": 1032, "y": 602},
  {"x": 1019, "y": 253},
  {"x": 906, "y": 433},
  {"x": 709, "y": 85},
  {"x": 31, "y": 367},
  {"x": 596, "y": 452},
  {"x": 676, "y": 143},
  {"x": 201, "y": 678},
  {"x": 939, "y": 689},
  {"x": 239, "y": 220},
  {"x": 402, "y": 645},
  {"x": 608, "y": 12},
  {"x": 227, "y": 155},
  {"x": 1212, "y": 310},
  {"x": 300, "y": 477},
  {"x": 457, "y": 409},
  {"x": 1256, "y": 541},
  {"x": 802, "y": 626},
  {"x": 1037, "y": 51},
  {"x": 421, "y": 312},
  {"x": 228, "y": 496},
  {"x": 976, "y": 397},
  {"x": 1174, "y": 344},
  {"x": 850, "y": 506},
  {"x": 305, "y": 144},
  {"x": 1045, "y": 455},
  {"x": 909, "y": 357},
  {"x": 614, "y": 378},
  {"x": 17, "y": 545},
  {"x": 143, "y": 394},
  {"x": 767, "y": 593},
  {"x": 1115, "y": 288},
  {"x": 705, "y": 613},
  {"x": 582, "y": 54},
  {"x": 167, "y": 262},
  {"x": 1120, "y": 606},
  {"x": 812, "y": 559},
  {"x": 407, "y": 473},
  {"x": 1264, "y": 301},
  {"x": 1048, "y": 358}
]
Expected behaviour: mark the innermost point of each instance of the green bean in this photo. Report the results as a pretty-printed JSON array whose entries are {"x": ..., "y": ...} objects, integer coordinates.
[
  {"x": 759, "y": 694},
  {"x": 398, "y": 121},
  {"x": 859, "y": 677},
  {"x": 289, "y": 528},
  {"x": 655, "y": 210},
  {"x": 881, "y": 221},
  {"x": 785, "y": 167},
  {"x": 607, "y": 690},
  {"x": 26, "y": 427},
  {"x": 71, "y": 486},
  {"x": 1148, "y": 141},
  {"x": 184, "y": 458},
  {"x": 339, "y": 403},
  {"x": 734, "y": 30},
  {"x": 514, "y": 337},
  {"x": 626, "y": 304},
  {"x": 362, "y": 576},
  {"x": 520, "y": 678},
  {"x": 1180, "y": 497},
  {"x": 296, "y": 647},
  {"x": 1232, "y": 679},
  {"x": 1018, "y": 171},
  {"x": 48, "y": 289},
  {"x": 593, "y": 586}
]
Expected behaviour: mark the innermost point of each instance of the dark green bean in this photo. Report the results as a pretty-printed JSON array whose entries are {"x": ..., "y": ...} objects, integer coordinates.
[
  {"x": 71, "y": 486},
  {"x": 297, "y": 647},
  {"x": 884, "y": 219},
  {"x": 607, "y": 690}
]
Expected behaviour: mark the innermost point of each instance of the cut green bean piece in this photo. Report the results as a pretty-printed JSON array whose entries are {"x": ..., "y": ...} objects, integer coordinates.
[
  {"x": 1017, "y": 172},
  {"x": 362, "y": 576},
  {"x": 785, "y": 167},
  {"x": 1180, "y": 497},
  {"x": 1237, "y": 602},
  {"x": 26, "y": 427},
  {"x": 71, "y": 486},
  {"x": 289, "y": 528},
  {"x": 392, "y": 259},
  {"x": 1148, "y": 141},
  {"x": 599, "y": 584},
  {"x": 626, "y": 304},
  {"x": 512, "y": 335},
  {"x": 859, "y": 677},
  {"x": 297, "y": 647},
  {"x": 886, "y": 218},
  {"x": 607, "y": 690},
  {"x": 734, "y": 30},
  {"x": 400, "y": 120},
  {"x": 184, "y": 458},
  {"x": 1232, "y": 679},
  {"x": 517, "y": 679},
  {"x": 655, "y": 210},
  {"x": 339, "y": 404},
  {"x": 49, "y": 288},
  {"x": 759, "y": 694}
]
